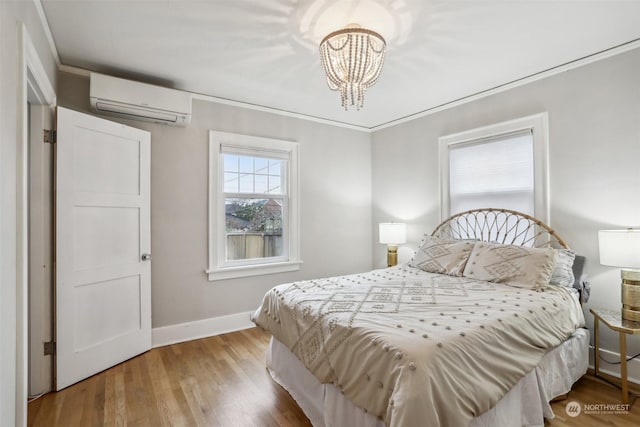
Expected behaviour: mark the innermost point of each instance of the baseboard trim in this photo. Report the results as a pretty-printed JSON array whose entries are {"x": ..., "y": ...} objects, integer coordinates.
[
  {"x": 188, "y": 331},
  {"x": 633, "y": 366}
]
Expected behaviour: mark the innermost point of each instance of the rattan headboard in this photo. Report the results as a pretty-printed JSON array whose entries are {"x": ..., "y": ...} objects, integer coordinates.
[{"x": 499, "y": 226}]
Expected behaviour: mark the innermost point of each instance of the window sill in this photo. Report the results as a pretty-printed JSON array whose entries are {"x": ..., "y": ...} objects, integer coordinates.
[{"x": 252, "y": 270}]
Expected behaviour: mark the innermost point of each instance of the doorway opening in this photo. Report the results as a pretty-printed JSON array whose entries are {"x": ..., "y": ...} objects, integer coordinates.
[{"x": 40, "y": 250}]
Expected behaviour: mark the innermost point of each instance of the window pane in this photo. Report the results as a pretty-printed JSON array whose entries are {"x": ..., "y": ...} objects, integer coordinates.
[
  {"x": 231, "y": 182},
  {"x": 262, "y": 186},
  {"x": 246, "y": 183},
  {"x": 254, "y": 175},
  {"x": 253, "y": 228},
  {"x": 275, "y": 167},
  {"x": 261, "y": 165},
  {"x": 246, "y": 164},
  {"x": 230, "y": 163},
  {"x": 275, "y": 185}
]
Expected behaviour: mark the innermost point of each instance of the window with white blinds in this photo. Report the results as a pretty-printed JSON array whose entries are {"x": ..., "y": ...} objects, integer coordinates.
[
  {"x": 498, "y": 166},
  {"x": 495, "y": 172}
]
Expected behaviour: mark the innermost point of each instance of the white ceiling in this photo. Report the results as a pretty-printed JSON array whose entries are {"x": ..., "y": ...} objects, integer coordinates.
[{"x": 264, "y": 52}]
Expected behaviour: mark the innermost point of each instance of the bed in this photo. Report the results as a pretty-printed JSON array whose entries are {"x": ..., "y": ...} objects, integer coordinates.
[{"x": 482, "y": 327}]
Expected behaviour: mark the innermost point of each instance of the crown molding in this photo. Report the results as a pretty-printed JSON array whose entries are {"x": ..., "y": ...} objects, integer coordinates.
[
  {"x": 217, "y": 100},
  {"x": 47, "y": 31},
  {"x": 598, "y": 56},
  {"x": 286, "y": 113}
]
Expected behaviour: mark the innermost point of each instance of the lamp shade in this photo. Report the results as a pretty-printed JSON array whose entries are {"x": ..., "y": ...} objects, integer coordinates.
[
  {"x": 619, "y": 248},
  {"x": 393, "y": 233}
]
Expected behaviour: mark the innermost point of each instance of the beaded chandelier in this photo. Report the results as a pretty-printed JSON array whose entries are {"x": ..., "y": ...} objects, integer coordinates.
[{"x": 352, "y": 59}]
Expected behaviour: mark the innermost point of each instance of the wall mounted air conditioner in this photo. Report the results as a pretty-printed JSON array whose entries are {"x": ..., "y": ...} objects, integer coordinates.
[{"x": 116, "y": 97}]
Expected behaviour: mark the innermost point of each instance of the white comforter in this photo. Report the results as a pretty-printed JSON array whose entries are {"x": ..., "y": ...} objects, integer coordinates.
[{"x": 415, "y": 348}]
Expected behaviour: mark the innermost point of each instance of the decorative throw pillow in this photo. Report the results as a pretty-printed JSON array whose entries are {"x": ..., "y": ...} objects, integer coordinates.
[
  {"x": 442, "y": 256},
  {"x": 518, "y": 266},
  {"x": 562, "y": 274}
]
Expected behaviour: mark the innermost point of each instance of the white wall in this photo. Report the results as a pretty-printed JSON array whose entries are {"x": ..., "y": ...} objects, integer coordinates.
[
  {"x": 335, "y": 205},
  {"x": 594, "y": 147},
  {"x": 11, "y": 12}
]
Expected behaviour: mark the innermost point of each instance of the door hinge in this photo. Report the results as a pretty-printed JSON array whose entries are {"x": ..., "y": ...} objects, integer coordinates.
[
  {"x": 50, "y": 136},
  {"x": 49, "y": 348}
]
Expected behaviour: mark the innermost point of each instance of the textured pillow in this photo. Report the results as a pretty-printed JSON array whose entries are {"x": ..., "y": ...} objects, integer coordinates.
[
  {"x": 562, "y": 274},
  {"x": 442, "y": 256},
  {"x": 518, "y": 266}
]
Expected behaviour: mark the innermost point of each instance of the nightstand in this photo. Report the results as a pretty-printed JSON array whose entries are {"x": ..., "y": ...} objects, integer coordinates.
[{"x": 613, "y": 320}]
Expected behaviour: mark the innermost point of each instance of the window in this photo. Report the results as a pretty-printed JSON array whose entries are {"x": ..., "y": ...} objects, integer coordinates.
[
  {"x": 492, "y": 173},
  {"x": 253, "y": 211},
  {"x": 498, "y": 166}
]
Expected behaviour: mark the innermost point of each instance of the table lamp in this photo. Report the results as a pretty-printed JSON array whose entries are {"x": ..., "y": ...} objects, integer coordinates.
[
  {"x": 621, "y": 248},
  {"x": 392, "y": 234}
]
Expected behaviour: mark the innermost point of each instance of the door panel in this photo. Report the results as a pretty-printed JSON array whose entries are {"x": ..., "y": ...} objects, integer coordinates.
[
  {"x": 95, "y": 304},
  {"x": 106, "y": 163},
  {"x": 112, "y": 228},
  {"x": 103, "y": 289}
]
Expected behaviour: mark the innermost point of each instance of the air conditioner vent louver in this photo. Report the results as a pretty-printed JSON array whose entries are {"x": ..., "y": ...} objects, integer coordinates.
[
  {"x": 127, "y": 111},
  {"x": 139, "y": 101}
]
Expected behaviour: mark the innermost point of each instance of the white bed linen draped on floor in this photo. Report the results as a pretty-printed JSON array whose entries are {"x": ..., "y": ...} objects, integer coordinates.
[{"x": 526, "y": 404}]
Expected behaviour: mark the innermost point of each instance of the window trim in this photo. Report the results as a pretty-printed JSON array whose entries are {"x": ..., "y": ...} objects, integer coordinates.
[
  {"x": 217, "y": 269},
  {"x": 537, "y": 124}
]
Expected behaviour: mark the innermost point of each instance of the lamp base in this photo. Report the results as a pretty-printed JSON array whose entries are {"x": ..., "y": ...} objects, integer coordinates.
[
  {"x": 392, "y": 255},
  {"x": 630, "y": 295}
]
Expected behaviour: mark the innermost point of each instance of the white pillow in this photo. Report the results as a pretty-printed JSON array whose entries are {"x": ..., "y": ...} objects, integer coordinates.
[
  {"x": 518, "y": 266},
  {"x": 443, "y": 256}
]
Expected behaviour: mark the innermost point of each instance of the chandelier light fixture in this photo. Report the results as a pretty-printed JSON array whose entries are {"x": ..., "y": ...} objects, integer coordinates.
[{"x": 352, "y": 59}]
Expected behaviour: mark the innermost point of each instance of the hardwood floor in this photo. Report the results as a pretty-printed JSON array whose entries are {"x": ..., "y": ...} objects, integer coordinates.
[
  {"x": 222, "y": 381},
  {"x": 217, "y": 381},
  {"x": 591, "y": 391}
]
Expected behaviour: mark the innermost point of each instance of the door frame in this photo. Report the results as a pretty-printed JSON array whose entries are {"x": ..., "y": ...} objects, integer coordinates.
[
  {"x": 33, "y": 78},
  {"x": 41, "y": 249}
]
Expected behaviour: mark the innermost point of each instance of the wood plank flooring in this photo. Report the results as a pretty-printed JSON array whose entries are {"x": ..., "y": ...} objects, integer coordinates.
[{"x": 222, "y": 381}]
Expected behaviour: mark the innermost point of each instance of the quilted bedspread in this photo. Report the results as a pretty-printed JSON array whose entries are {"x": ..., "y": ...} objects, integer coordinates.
[{"x": 415, "y": 348}]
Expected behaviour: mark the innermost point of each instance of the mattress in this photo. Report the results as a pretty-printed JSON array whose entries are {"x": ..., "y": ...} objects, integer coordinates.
[{"x": 526, "y": 404}]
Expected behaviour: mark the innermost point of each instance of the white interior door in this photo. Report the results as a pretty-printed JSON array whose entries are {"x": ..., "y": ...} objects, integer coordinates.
[{"x": 103, "y": 276}]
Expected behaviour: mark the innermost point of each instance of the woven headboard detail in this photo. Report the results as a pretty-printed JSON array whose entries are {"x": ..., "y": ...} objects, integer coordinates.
[{"x": 499, "y": 226}]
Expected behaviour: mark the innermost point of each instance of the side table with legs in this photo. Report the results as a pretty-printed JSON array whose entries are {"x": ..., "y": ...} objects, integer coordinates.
[{"x": 614, "y": 321}]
